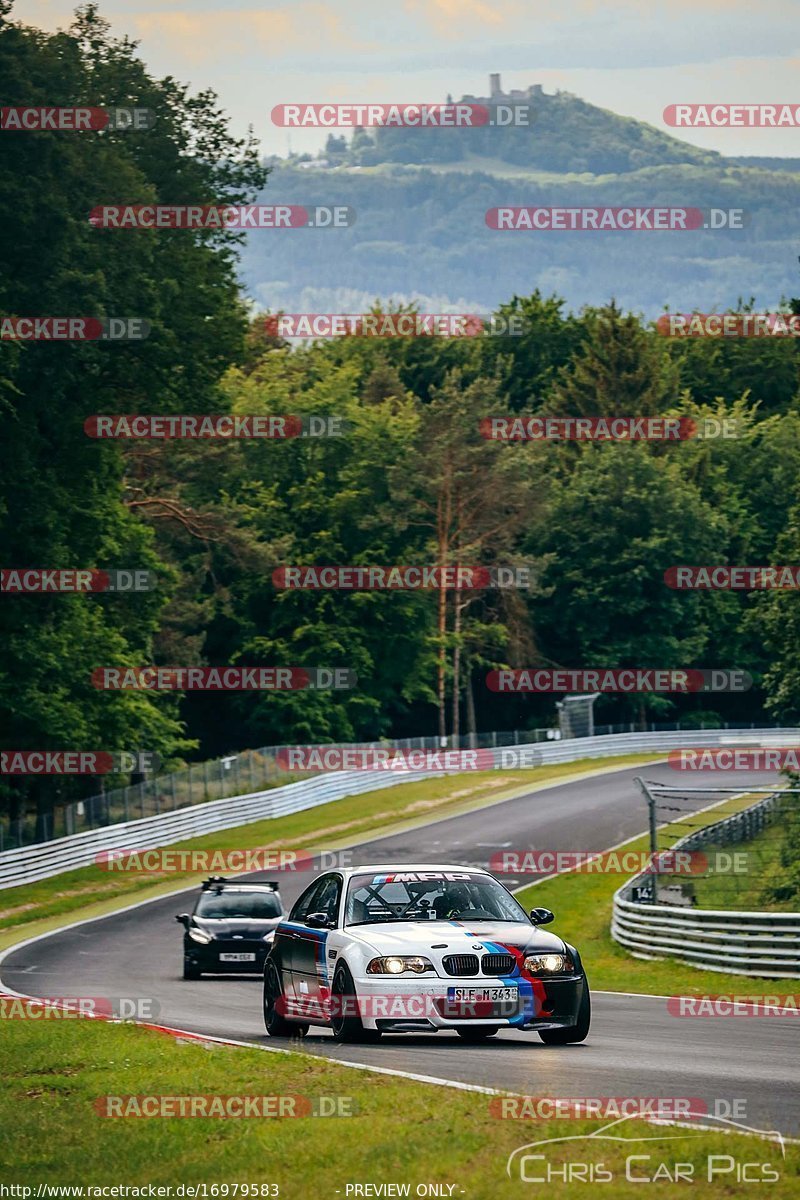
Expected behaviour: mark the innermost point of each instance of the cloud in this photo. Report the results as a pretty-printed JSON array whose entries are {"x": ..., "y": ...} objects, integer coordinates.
[
  {"x": 459, "y": 17},
  {"x": 304, "y": 29}
]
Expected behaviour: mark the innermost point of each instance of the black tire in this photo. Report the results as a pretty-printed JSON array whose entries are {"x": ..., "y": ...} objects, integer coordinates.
[
  {"x": 477, "y": 1033},
  {"x": 347, "y": 1026},
  {"x": 275, "y": 1024},
  {"x": 573, "y": 1033},
  {"x": 190, "y": 971}
]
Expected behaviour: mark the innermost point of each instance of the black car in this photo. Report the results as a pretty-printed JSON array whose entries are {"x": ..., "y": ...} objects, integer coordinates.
[{"x": 231, "y": 928}]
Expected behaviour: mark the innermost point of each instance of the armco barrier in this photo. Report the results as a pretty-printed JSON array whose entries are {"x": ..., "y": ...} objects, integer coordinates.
[
  {"x": 44, "y": 859},
  {"x": 764, "y": 945}
]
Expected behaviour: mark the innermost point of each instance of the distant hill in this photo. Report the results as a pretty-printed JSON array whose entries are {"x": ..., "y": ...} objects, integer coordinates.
[
  {"x": 769, "y": 164},
  {"x": 566, "y": 134},
  {"x": 420, "y": 233}
]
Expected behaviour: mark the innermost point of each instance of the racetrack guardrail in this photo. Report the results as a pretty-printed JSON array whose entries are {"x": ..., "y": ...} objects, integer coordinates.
[
  {"x": 44, "y": 859},
  {"x": 763, "y": 945}
]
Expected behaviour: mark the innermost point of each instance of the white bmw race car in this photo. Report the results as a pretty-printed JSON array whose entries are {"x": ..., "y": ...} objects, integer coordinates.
[{"x": 397, "y": 949}]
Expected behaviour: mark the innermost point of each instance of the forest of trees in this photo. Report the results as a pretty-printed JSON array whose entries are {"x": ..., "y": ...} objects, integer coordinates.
[
  {"x": 420, "y": 232},
  {"x": 410, "y": 480}
]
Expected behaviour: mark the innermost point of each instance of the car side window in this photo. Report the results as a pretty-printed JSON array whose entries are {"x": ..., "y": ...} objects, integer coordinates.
[
  {"x": 328, "y": 899},
  {"x": 306, "y": 904}
]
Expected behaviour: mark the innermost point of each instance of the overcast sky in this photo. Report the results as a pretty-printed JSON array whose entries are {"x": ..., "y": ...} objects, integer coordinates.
[{"x": 632, "y": 56}]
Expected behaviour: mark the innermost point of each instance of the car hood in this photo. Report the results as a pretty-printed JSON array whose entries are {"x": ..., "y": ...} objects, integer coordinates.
[
  {"x": 237, "y": 927},
  {"x": 456, "y": 937}
]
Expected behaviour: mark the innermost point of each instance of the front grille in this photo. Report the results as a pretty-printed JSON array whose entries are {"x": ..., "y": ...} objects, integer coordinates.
[
  {"x": 460, "y": 964},
  {"x": 478, "y": 1010},
  {"x": 498, "y": 964}
]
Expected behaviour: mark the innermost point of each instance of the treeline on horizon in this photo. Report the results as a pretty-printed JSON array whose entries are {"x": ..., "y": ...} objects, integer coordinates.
[
  {"x": 410, "y": 482},
  {"x": 419, "y": 232}
]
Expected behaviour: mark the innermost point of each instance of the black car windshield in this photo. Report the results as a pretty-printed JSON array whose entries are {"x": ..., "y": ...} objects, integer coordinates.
[
  {"x": 260, "y": 906},
  {"x": 429, "y": 896}
]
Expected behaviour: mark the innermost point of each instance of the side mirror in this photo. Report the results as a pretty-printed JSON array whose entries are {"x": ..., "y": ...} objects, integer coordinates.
[
  {"x": 319, "y": 920},
  {"x": 541, "y": 916},
  {"x": 184, "y": 919}
]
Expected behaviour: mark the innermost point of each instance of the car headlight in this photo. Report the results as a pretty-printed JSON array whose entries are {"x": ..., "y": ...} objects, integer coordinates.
[
  {"x": 548, "y": 964},
  {"x": 398, "y": 964},
  {"x": 200, "y": 935},
  {"x": 269, "y": 936}
]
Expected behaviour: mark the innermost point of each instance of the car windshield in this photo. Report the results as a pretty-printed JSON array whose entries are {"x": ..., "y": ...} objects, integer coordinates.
[
  {"x": 225, "y": 905},
  {"x": 429, "y": 896}
]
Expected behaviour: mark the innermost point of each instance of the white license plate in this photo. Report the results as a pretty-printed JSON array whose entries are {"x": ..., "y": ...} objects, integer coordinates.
[
  {"x": 473, "y": 995},
  {"x": 237, "y": 958}
]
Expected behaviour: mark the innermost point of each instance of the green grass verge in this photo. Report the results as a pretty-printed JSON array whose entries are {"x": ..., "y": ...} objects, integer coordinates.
[
  {"x": 582, "y": 903},
  {"x": 34, "y": 908},
  {"x": 402, "y": 1131}
]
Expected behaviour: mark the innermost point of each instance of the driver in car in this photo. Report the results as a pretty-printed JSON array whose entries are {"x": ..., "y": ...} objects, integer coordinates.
[{"x": 453, "y": 902}]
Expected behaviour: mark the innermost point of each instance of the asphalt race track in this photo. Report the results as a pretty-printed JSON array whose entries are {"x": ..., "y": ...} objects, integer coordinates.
[{"x": 636, "y": 1048}]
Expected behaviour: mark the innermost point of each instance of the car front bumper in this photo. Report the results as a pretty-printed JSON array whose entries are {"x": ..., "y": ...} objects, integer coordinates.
[
  {"x": 427, "y": 1002},
  {"x": 207, "y": 958}
]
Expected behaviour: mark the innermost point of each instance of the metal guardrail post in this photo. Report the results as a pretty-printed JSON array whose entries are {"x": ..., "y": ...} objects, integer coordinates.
[{"x": 653, "y": 833}]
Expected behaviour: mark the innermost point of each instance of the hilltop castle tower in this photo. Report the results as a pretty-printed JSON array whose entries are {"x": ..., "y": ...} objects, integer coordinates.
[{"x": 496, "y": 91}]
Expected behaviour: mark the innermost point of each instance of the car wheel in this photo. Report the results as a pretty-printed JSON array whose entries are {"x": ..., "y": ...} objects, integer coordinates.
[
  {"x": 573, "y": 1033},
  {"x": 275, "y": 1024},
  {"x": 477, "y": 1033},
  {"x": 345, "y": 1020},
  {"x": 190, "y": 971}
]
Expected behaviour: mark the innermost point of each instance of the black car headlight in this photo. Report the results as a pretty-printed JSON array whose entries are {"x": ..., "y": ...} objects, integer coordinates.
[
  {"x": 398, "y": 964},
  {"x": 268, "y": 936},
  {"x": 200, "y": 935},
  {"x": 548, "y": 964}
]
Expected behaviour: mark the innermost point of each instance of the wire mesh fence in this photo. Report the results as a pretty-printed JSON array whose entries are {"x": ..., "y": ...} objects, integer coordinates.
[
  {"x": 740, "y": 850},
  {"x": 238, "y": 774}
]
